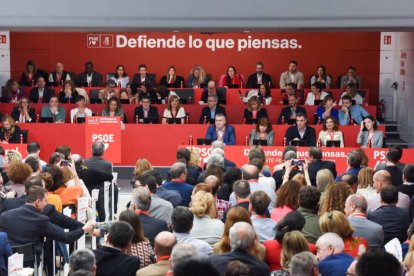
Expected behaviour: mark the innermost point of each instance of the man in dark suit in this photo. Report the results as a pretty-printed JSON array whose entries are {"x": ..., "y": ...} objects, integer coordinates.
[
  {"x": 212, "y": 90},
  {"x": 90, "y": 77},
  {"x": 142, "y": 77},
  {"x": 146, "y": 111},
  {"x": 209, "y": 112},
  {"x": 394, "y": 220},
  {"x": 27, "y": 224},
  {"x": 111, "y": 258},
  {"x": 242, "y": 240},
  {"x": 255, "y": 80},
  {"x": 316, "y": 163},
  {"x": 291, "y": 111},
  {"x": 41, "y": 93},
  {"x": 141, "y": 203},
  {"x": 301, "y": 131},
  {"x": 221, "y": 131},
  {"x": 241, "y": 189},
  {"x": 97, "y": 162},
  {"x": 178, "y": 183}
]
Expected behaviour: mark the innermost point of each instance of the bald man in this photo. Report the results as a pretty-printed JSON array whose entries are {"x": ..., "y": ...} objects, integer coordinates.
[
  {"x": 251, "y": 174},
  {"x": 59, "y": 76},
  {"x": 163, "y": 245},
  {"x": 382, "y": 179}
]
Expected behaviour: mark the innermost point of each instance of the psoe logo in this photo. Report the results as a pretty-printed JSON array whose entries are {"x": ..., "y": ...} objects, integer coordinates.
[
  {"x": 94, "y": 41},
  {"x": 107, "y": 41}
]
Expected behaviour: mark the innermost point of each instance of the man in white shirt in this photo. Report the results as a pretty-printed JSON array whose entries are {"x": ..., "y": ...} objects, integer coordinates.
[
  {"x": 251, "y": 174},
  {"x": 292, "y": 76},
  {"x": 382, "y": 179}
]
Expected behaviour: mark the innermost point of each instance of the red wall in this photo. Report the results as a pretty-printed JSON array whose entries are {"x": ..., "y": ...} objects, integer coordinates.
[{"x": 333, "y": 49}]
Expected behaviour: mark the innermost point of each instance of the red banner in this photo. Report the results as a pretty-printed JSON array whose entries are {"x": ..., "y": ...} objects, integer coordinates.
[
  {"x": 107, "y": 130},
  {"x": 239, "y": 155},
  {"x": 22, "y": 148}
]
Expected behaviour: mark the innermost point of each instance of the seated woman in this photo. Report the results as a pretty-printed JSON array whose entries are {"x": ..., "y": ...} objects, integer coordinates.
[
  {"x": 174, "y": 110},
  {"x": 120, "y": 78},
  {"x": 145, "y": 89},
  {"x": 140, "y": 246},
  {"x": 233, "y": 80},
  {"x": 171, "y": 80},
  {"x": 263, "y": 131},
  {"x": 352, "y": 91},
  {"x": 54, "y": 110},
  {"x": 263, "y": 93},
  {"x": 315, "y": 94},
  {"x": 197, "y": 78},
  {"x": 335, "y": 197},
  {"x": 205, "y": 225},
  {"x": 113, "y": 108},
  {"x": 234, "y": 215},
  {"x": 10, "y": 132},
  {"x": 287, "y": 200},
  {"x": 322, "y": 77},
  {"x": 369, "y": 136},
  {"x": 18, "y": 173},
  {"x": 330, "y": 132},
  {"x": 23, "y": 112},
  {"x": 30, "y": 74},
  {"x": 254, "y": 110},
  {"x": 81, "y": 111},
  {"x": 12, "y": 92},
  {"x": 327, "y": 109},
  {"x": 109, "y": 91},
  {"x": 336, "y": 222},
  {"x": 68, "y": 93}
]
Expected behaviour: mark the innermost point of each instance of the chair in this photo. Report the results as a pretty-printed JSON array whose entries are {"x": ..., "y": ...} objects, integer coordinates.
[
  {"x": 221, "y": 82},
  {"x": 25, "y": 134},
  {"x": 29, "y": 255}
]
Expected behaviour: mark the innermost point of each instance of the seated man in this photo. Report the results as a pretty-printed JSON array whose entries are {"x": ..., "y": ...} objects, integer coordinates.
[
  {"x": 291, "y": 111},
  {"x": 41, "y": 93},
  {"x": 378, "y": 262},
  {"x": 265, "y": 227},
  {"x": 209, "y": 112},
  {"x": 258, "y": 78},
  {"x": 59, "y": 76},
  {"x": 292, "y": 76},
  {"x": 53, "y": 110},
  {"x": 309, "y": 198},
  {"x": 212, "y": 90},
  {"x": 146, "y": 112},
  {"x": 221, "y": 131},
  {"x": 330, "y": 253},
  {"x": 109, "y": 91},
  {"x": 357, "y": 112},
  {"x": 394, "y": 220},
  {"x": 350, "y": 77},
  {"x": 141, "y": 204},
  {"x": 242, "y": 240},
  {"x": 82, "y": 259},
  {"x": 316, "y": 164},
  {"x": 142, "y": 77},
  {"x": 354, "y": 161},
  {"x": 177, "y": 183},
  {"x": 89, "y": 76},
  {"x": 301, "y": 132},
  {"x": 304, "y": 263},
  {"x": 111, "y": 259}
]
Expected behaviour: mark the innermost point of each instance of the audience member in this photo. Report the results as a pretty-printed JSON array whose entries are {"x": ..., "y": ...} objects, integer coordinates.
[
  {"x": 237, "y": 268},
  {"x": 195, "y": 266},
  {"x": 309, "y": 206},
  {"x": 221, "y": 205},
  {"x": 354, "y": 160},
  {"x": 330, "y": 253},
  {"x": 221, "y": 131},
  {"x": 378, "y": 262},
  {"x": 81, "y": 111},
  {"x": 241, "y": 190},
  {"x": 264, "y": 227},
  {"x": 291, "y": 111},
  {"x": 350, "y": 77},
  {"x": 335, "y": 197},
  {"x": 82, "y": 259},
  {"x": 141, "y": 204},
  {"x": 287, "y": 200},
  {"x": 169, "y": 195},
  {"x": 174, "y": 110},
  {"x": 330, "y": 132},
  {"x": 356, "y": 209},
  {"x": 322, "y": 77},
  {"x": 242, "y": 240},
  {"x": 337, "y": 222},
  {"x": 205, "y": 227},
  {"x": 316, "y": 93},
  {"x": 178, "y": 183},
  {"x": 40, "y": 94},
  {"x": 365, "y": 182},
  {"x": 212, "y": 90},
  {"x": 171, "y": 79},
  {"x": 293, "y": 243},
  {"x": 292, "y": 76},
  {"x": 111, "y": 258},
  {"x": 326, "y": 109},
  {"x": 90, "y": 77},
  {"x": 351, "y": 180},
  {"x": 181, "y": 224},
  {"x": 120, "y": 77},
  {"x": 316, "y": 164},
  {"x": 304, "y": 264},
  {"x": 350, "y": 113},
  {"x": 258, "y": 78},
  {"x": 369, "y": 136},
  {"x": 197, "y": 77},
  {"x": 180, "y": 253},
  {"x": 304, "y": 134},
  {"x": 408, "y": 181},
  {"x": 209, "y": 112},
  {"x": 393, "y": 219},
  {"x": 163, "y": 246}
]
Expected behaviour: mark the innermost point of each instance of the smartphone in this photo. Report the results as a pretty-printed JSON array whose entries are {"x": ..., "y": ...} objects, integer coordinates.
[
  {"x": 298, "y": 162},
  {"x": 64, "y": 162}
]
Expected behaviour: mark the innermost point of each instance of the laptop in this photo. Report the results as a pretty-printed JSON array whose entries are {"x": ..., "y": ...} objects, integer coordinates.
[
  {"x": 333, "y": 144},
  {"x": 174, "y": 120},
  {"x": 183, "y": 101},
  {"x": 150, "y": 121},
  {"x": 259, "y": 142},
  {"x": 95, "y": 101},
  {"x": 297, "y": 143},
  {"x": 317, "y": 102},
  {"x": 291, "y": 121},
  {"x": 233, "y": 86},
  {"x": 80, "y": 120},
  {"x": 124, "y": 101},
  {"x": 202, "y": 141},
  {"x": 46, "y": 119}
]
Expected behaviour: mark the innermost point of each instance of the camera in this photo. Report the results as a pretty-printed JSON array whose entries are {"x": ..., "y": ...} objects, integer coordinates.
[{"x": 298, "y": 162}]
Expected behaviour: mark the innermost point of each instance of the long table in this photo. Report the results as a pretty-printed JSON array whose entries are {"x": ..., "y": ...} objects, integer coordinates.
[
  {"x": 232, "y": 95},
  {"x": 157, "y": 143},
  {"x": 234, "y": 112}
]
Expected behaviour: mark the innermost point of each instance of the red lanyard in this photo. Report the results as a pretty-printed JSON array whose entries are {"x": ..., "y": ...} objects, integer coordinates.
[
  {"x": 361, "y": 215},
  {"x": 162, "y": 258},
  {"x": 243, "y": 201},
  {"x": 332, "y": 135},
  {"x": 6, "y": 136},
  {"x": 220, "y": 137},
  {"x": 139, "y": 212}
]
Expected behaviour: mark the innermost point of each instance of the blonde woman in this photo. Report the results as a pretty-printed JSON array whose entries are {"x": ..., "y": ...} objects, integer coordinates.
[
  {"x": 293, "y": 243},
  {"x": 195, "y": 159},
  {"x": 324, "y": 178},
  {"x": 197, "y": 77},
  {"x": 365, "y": 182},
  {"x": 205, "y": 227},
  {"x": 142, "y": 165},
  {"x": 174, "y": 110}
]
